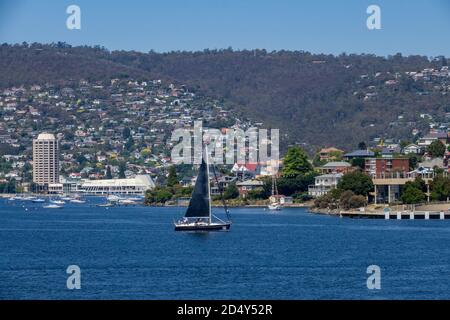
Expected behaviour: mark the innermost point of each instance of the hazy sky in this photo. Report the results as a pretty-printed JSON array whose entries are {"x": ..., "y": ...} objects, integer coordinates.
[{"x": 320, "y": 26}]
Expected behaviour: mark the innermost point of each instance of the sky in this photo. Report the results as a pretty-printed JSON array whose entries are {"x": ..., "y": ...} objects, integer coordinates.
[{"x": 319, "y": 26}]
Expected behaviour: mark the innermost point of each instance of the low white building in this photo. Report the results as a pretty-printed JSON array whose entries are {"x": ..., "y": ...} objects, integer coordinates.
[
  {"x": 412, "y": 149},
  {"x": 324, "y": 183},
  {"x": 137, "y": 186}
]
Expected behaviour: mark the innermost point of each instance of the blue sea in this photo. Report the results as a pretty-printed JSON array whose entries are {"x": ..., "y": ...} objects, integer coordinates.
[{"x": 134, "y": 253}]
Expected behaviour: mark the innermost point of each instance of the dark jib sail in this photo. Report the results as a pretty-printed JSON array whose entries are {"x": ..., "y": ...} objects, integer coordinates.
[{"x": 199, "y": 204}]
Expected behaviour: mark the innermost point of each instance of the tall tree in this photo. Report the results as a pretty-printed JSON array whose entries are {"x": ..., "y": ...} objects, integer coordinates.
[
  {"x": 129, "y": 144},
  {"x": 126, "y": 133},
  {"x": 412, "y": 193},
  {"x": 296, "y": 163},
  {"x": 108, "y": 172},
  {"x": 362, "y": 145},
  {"x": 358, "y": 182},
  {"x": 440, "y": 188},
  {"x": 436, "y": 149},
  {"x": 122, "y": 169},
  {"x": 172, "y": 179}
]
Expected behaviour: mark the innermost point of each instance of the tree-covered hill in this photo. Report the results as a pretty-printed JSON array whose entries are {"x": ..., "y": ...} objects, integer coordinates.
[{"x": 318, "y": 100}]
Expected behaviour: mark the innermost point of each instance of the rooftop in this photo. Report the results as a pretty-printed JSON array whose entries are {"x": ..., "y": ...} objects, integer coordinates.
[
  {"x": 360, "y": 153},
  {"x": 333, "y": 164},
  {"x": 46, "y": 136}
]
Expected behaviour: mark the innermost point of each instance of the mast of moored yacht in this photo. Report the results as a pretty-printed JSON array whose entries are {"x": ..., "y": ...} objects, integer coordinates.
[{"x": 209, "y": 186}]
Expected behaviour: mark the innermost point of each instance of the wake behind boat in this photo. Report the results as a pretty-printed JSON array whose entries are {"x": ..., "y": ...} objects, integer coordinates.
[{"x": 198, "y": 215}]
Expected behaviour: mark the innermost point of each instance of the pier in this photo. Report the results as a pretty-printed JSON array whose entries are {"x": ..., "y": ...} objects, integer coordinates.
[{"x": 398, "y": 215}]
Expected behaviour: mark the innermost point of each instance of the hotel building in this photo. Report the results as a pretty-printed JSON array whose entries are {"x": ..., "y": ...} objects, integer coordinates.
[{"x": 45, "y": 160}]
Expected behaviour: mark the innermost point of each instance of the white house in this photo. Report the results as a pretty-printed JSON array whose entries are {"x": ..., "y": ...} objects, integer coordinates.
[
  {"x": 324, "y": 183},
  {"x": 412, "y": 149}
]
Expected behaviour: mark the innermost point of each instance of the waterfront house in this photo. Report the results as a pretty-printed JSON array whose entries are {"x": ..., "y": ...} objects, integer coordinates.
[
  {"x": 221, "y": 184},
  {"x": 336, "y": 167},
  {"x": 245, "y": 187},
  {"x": 324, "y": 183}
]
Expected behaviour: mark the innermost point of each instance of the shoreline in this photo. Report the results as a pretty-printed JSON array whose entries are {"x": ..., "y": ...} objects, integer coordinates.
[{"x": 299, "y": 205}]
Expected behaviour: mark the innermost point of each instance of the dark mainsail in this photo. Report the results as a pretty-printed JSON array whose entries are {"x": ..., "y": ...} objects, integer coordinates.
[{"x": 199, "y": 204}]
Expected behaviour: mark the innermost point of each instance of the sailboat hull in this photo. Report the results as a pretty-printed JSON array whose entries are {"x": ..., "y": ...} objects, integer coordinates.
[{"x": 202, "y": 226}]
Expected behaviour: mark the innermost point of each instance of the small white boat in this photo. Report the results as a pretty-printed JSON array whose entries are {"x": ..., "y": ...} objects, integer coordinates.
[
  {"x": 59, "y": 202},
  {"x": 52, "y": 206},
  {"x": 113, "y": 198},
  {"x": 127, "y": 202},
  {"x": 39, "y": 200},
  {"x": 78, "y": 201},
  {"x": 274, "y": 206},
  {"x": 105, "y": 205},
  {"x": 66, "y": 198},
  {"x": 136, "y": 199}
]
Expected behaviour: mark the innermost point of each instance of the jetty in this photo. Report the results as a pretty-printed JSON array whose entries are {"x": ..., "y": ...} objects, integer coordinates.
[{"x": 397, "y": 215}]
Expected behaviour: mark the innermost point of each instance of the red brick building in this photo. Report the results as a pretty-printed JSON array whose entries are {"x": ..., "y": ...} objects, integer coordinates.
[{"x": 386, "y": 167}]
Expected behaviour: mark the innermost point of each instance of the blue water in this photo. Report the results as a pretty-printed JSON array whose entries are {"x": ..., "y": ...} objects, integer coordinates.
[{"x": 133, "y": 253}]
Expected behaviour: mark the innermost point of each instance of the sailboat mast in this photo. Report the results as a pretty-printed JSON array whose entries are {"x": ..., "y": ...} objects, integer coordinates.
[{"x": 209, "y": 185}]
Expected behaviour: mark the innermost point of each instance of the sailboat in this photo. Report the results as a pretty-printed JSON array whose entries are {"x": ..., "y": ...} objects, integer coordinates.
[
  {"x": 198, "y": 216},
  {"x": 276, "y": 205}
]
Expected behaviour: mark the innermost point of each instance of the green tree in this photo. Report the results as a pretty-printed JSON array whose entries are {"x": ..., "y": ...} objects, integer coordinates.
[
  {"x": 358, "y": 162},
  {"x": 440, "y": 188},
  {"x": 357, "y": 182},
  {"x": 122, "y": 169},
  {"x": 412, "y": 194},
  {"x": 8, "y": 187},
  {"x": 108, "y": 172},
  {"x": 436, "y": 149},
  {"x": 357, "y": 201},
  {"x": 172, "y": 178},
  {"x": 362, "y": 145},
  {"x": 296, "y": 163},
  {"x": 126, "y": 133},
  {"x": 256, "y": 194},
  {"x": 231, "y": 192},
  {"x": 413, "y": 161},
  {"x": 344, "y": 199},
  {"x": 292, "y": 185},
  {"x": 159, "y": 195},
  {"x": 129, "y": 144},
  {"x": 81, "y": 159}
]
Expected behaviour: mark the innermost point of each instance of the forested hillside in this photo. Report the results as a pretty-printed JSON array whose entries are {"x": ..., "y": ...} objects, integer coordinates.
[{"x": 317, "y": 100}]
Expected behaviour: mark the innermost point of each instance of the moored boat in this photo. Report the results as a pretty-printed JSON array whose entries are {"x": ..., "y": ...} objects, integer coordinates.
[
  {"x": 77, "y": 201},
  {"x": 52, "y": 206},
  {"x": 275, "y": 205}
]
